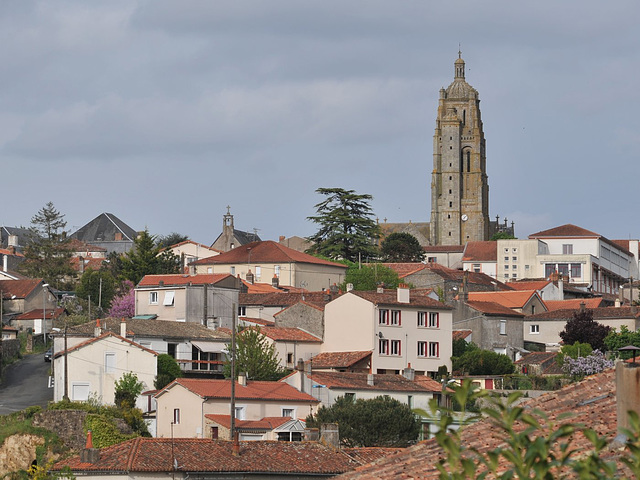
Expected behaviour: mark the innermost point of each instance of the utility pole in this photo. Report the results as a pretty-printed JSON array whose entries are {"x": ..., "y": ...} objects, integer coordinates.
[
  {"x": 65, "y": 397},
  {"x": 233, "y": 370}
]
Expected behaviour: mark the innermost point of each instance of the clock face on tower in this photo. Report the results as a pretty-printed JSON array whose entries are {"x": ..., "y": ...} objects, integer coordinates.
[{"x": 464, "y": 217}]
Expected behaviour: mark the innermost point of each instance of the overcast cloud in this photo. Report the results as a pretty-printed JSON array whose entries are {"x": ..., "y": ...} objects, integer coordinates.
[{"x": 164, "y": 112}]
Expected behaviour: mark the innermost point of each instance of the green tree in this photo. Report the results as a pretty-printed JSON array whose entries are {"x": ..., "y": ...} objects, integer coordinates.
[
  {"x": 347, "y": 230},
  {"x": 502, "y": 236},
  {"x": 168, "y": 370},
  {"x": 584, "y": 329},
  {"x": 461, "y": 346},
  {"x": 127, "y": 390},
  {"x": 255, "y": 356},
  {"x": 99, "y": 284},
  {"x": 483, "y": 362},
  {"x": 48, "y": 254},
  {"x": 573, "y": 351},
  {"x": 401, "y": 247},
  {"x": 145, "y": 259},
  {"x": 368, "y": 277},
  {"x": 379, "y": 422},
  {"x": 625, "y": 337},
  {"x": 164, "y": 241}
]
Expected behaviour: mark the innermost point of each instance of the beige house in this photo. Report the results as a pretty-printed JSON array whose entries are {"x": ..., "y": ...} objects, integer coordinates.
[
  {"x": 190, "y": 251},
  {"x": 28, "y": 295},
  {"x": 269, "y": 306},
  {"x": 95, "y": 365},
  {"x": 204, "y": 299},
  {"x": 480, "y": 257},
  {"x": 270, "y": 261},
  {"x": 401, "y": 328},
  {"x": 185, "y": 402},
  {"x": 285, "y": 429}
]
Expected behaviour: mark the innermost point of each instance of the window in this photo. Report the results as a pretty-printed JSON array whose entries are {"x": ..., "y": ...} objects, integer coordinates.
[
  {"x": 434, "y": 349},
  {"x": 514, "y": 267},
  {"x": 242, "y": 311},
  {"x": 549, "y": 269},
  {"x": 240, "y": 412},
  {"x": 169, "y": 298},
  {"x": 176, "y": 416},
  {"x": 153, "y": 298},
  {"x": 79, "y": 392},
  {"x": 450, "y": 204},
  {"x": 109, "y": 362},
  {"x": 506, "y": 275},
  {"x": 434, "y": 320},
  {"x": 258, "y": 272},
  {"x": 383, "y": 346},
  {"x": 534, "y": 328},
  {"x": 514, "y": 275},
  {"x": 477, "y": 268},
  {"x": 503, "y": 327},
  {"x": 289, "y": 412},
  {"x": 567, "y": 249},
  {"x": 526, "y": 267},
  {"x": 506, "y": 250},
  {"x": 515, "y": 259},
  {"x": 395, "y": 347},
  {"x": 422, "y": 349},
  {"x": 395, "y": 317},
  {"x": 276, "y": 271},
  {"x": 563, "y": 268},
  {"x": 232, "y": 270},
  {"x": 514, "y": 249},
  {"x": 506, "y": 259},
  {"x": 506, "y": 267},
  {"x": 576, "y": 270},
  {"x": 289, "y": 358},
  {"x": 422, "y": 319},
  {"x": 214, "y": 433},
  {"x": 210, "y": 269},
  {"x": 383, "y": 316},
  {"x": 350, "y": 395}
]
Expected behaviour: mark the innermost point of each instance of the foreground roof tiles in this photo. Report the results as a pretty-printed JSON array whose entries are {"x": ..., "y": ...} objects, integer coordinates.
[
  {"x": 288, "y": 334},
  {"x": 37, "y": 314},
  {"x": 253, "y": 390},
  {"x": 215, "y": 456},
  {"x": 529, "y": 284},
  {"x": 266, "y": 423}
]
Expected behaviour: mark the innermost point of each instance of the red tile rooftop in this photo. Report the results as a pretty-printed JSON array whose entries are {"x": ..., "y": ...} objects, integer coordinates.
[
  {"x": 481, "y": 252},
  {"x": 513, "y": 299},
  {"x": 338, "y": 359},
  {"x": 573, "y": 303},
  {"x": 182, "y": 279}
]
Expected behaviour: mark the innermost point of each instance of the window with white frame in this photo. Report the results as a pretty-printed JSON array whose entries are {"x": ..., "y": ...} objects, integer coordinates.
[
  {"x": 242, "y": 311},
  {"x": 383, "y": 316},
  {"x": 567, "y": 249},
  {"x": 383, "y": 346},
  {"x": 153, "y": 298},
  {"x": 506, "y": 259},
  {"x": 232, "y": 270},
  {"x": 176, "y": 416},
  {"x": 534, "y": 328},
  {"x": 240, "y": 412},
  {"x": 434, "y": 349},
  {"x": 395, "y": 317},
  {"x": 434, "y": 320},
  {"x": 503, "y": 327},
  {"x": 109, "y": 362},
  {"x": 422, "y": 319},
  {"x": 477, "y": 268},
  {"x": 395, "y": 348},
  {"x": 169, "y": 298},
  {"x": 288, "y": 412},
  {"x": 79, "y": 391},
  {"x": 276, "y": 271},
  {"x": 209, "y": 269},
  {"x": 422, "y": 349},
  {"x": 258, "y": 272}
]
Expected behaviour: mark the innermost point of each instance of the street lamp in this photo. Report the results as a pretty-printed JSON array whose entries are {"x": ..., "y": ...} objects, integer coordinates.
[{"x": 44, "y": 312}]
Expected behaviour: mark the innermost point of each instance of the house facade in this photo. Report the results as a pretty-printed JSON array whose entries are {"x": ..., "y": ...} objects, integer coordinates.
[
  {"x": 190, "y": 251},
  {"x": 480, "y": 257},
  {"x": 402, "y": 330}
]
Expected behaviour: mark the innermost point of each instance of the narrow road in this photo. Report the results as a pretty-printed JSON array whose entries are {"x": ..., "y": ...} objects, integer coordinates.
[{"x": 25, "y": 384}]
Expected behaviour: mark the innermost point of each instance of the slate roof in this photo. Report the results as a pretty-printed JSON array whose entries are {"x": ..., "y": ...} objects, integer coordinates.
[
  {"x": 253, "y": 390},
  {"x": 197, "y": 455},
  {"x": 601, "y": 313},
  {"x": 486, "y": 251},
  {"x": 20, "y": 288},
  {"x": 288, "y": 334},
  {"x": 103, "y": 228},
  {"x": 264, "y": 252},
  {"x": 24, "y": 235},
  {"x": 513, "y": 299},
  {"x": 590, "y": 402},
  {"x": 381, "y": 382},
  {"x": 182, "y": 279},
  {"x": 265, "y": 424},
  {"x": 573, "y": 303},
  {"x": 338, "y": 359},
  {"x": 493, "y": 308},
  {"x": 390, "y": 298},
  {"x": 152, "y": 329}
]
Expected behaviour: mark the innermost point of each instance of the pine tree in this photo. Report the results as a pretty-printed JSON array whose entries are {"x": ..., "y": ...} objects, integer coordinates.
[
  {"x": 347, "y": 230},
  {"x": 401, "y": 247},
  {"x": 145, "y": 259}
]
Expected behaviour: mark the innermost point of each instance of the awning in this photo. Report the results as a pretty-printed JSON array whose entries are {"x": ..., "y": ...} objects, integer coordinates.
[{"x": 209, "y": 347}]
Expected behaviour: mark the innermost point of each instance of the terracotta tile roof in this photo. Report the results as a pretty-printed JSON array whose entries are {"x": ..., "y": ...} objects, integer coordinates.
[
  {"x": 626, "y": 245},
  {"x": 365, "y": 455},
  {"x": 536, "y": 358},
  {"x": 197, "y": 455},
  {"x": 264, "y": 252},
  {"x": 92, "y": 263},
  {"x": 80, "y": 246},
  {"x": 481, "y": 252},
  {"x": 590, "y": 402},
  {"x": 428, "y": 383},
  {"x": 254, "y": 390},
  {"x": 282, "y": 299},
  {"x": 573, "y": 231},
  {"x": 266, "y": 423},
  {"x": 36, "y": 314},
  {"x": 404, "y": 269},
  {"x": 573, "y": 303},
  {"x": 260, "y": 287},
  {"x": 472, "y": 277},
  {"x": 182, "y": 279},
  {"x": 338, "y": 359},
  {"x": 513, "y": 299},
  {"x": 258, "y": 321},
  {"x": 152, "y": 329},
  {"x": 601, "y": 313},
  {"x": 493, "y": 308},
  {"x": 100, "y": 338},
  {"x": 4, "y": 251},
  {"x": 20, "y": 288},
  {"x": 529, "y": 284},
  {"x": 391, "y": 298},
  {"x": 288, "y": 334},
  {"x": 460, "y": 334},
  {"x": 381, "y": 382},
  {"x": 443, "y": 248}
]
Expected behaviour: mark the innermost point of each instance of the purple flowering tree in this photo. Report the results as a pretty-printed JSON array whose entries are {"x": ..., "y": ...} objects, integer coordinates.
[
  {"x": 124, "y": 304},
  {"x": 589, "y": 365}
]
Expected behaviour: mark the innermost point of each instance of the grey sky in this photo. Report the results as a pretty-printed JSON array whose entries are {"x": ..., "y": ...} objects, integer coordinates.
[{"x": 164, "y": 112}]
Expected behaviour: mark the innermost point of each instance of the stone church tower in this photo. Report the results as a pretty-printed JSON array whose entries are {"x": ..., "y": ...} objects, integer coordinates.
[{"x": 459, "y": 184}]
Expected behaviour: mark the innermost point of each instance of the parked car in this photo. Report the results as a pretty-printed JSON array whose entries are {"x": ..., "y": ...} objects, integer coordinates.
[{"x": 48, "y": 354}]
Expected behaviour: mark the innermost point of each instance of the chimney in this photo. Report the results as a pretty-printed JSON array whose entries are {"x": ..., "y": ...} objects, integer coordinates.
[
  {"x": 12, "y": 241},
  {"x": 311, "y": 434},
  {"x": 627, "y": 392},
  {"x": 333, "y": 289},
  {"x": 5, "y": 263},
  {"x": 349, "y": 287},
  {"x": 583, "y": 306},
  {"x": 275, "y": 281},
  {"x": 330, "y": 435},
  {"x": 123, "y": 328},
  {"x": 616, "y": 304},
  {"x": 161, "y": 283},
  {"x": 282, "y": 237},
  {"x": 409, "y": 373},
  {"x": 370, "y": 379},
  {"x": 88, "y": 453},
  {"x": 80, "y": 265},
  {"x": 380, "y": 289},
  {"x": 249, "y": 277},
  {"x": 97, "y": 331},
  {"x": 242, "y": 379},
  {"x": 235, "y": 447},
  {"x": 403, "y": 293}
]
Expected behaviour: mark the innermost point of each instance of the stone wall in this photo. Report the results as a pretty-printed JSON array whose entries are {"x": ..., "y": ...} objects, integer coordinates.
[{"x": 10, "y": 349}]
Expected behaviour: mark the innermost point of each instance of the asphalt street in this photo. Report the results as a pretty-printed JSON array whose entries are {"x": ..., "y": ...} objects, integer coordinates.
[{"x": 25, "y": 384}]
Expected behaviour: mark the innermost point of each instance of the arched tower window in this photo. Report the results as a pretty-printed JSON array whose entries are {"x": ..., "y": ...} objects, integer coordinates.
[
  {"x": 468, "y": 160},
  {"x": 464, "y": 117}
]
